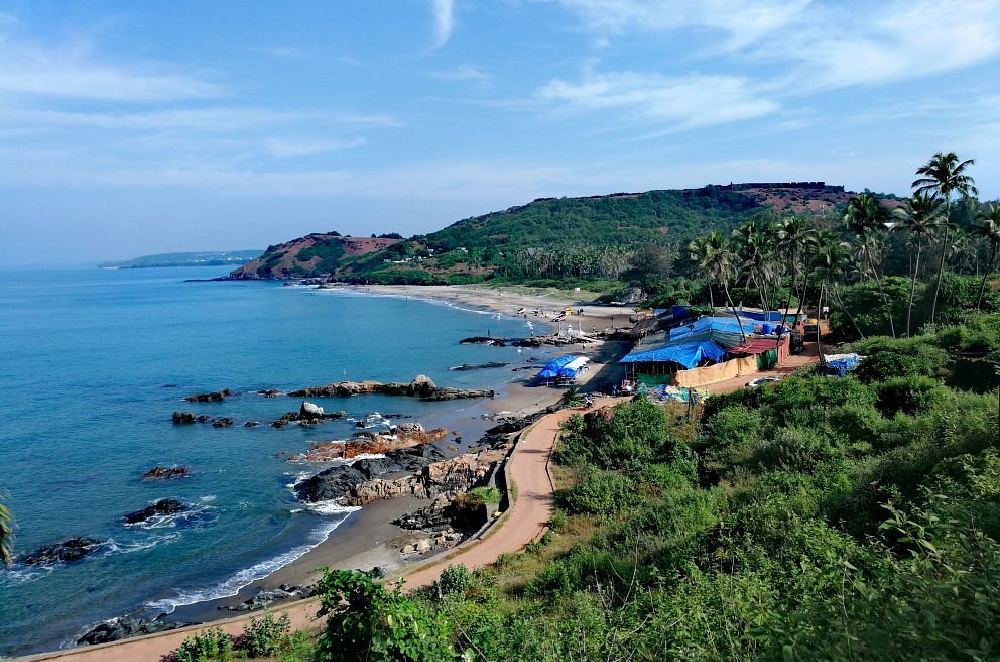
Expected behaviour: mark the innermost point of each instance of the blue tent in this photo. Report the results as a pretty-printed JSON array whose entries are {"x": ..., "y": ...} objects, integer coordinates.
[
  {"x": 546, "y": 373},
  {"x": 709, "y": 324},
  {"x": 687, "y": 354},
  {"x": 551, "y": 369}
]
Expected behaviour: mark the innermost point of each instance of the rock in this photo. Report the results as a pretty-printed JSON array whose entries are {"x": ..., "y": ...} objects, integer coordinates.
[
  {"x": 212, "y": 396},
  {"x": 310, "y": 410},
  {"x": 166, "y": 472},
  {"x": 304, "y": 418},
  {"x": 158, "y": 507},
  {"x": 340, "y": 481},
  {"x": 251, "y": 424},
  {"x": 421, "y": 387},
  {"x": 280, "y": 423},
  {"x": 124, "y": 627},
  {"x": 270, "y": 393},
  {"x": 67, "y": 551},
  {"x": 222, "y": 423},
  {"x": 480, "y": 366},
  {"x": 267, "y": 597},
  {"x": 183, "y": 418},
  {"x": 371, "y": 443},
  {"x": 423, "y": 545}
]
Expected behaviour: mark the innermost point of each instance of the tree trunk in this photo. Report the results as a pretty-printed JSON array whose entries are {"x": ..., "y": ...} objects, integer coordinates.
[
  {"x": 725, "y": 286},
  {"x": 913, "y": 285},
  {"x": 840, "y": 300},
  {"x": 986, "y": 277},
  {"x": 944, "y": 257},
  {"x": 711, "y": 297},
  {"x": 881, "y": 292},
  {"x": 819, "y": 323}
]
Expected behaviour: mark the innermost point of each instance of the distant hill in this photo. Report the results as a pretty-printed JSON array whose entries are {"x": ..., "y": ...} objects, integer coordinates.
[
  {"x": 186, "y": 259},
  {"x": 548, "y": 237},
  {"x": 312, "y": 255}
]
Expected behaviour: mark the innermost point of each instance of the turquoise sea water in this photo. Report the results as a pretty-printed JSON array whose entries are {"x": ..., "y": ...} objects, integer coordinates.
[{"x": 92, "y": 363}]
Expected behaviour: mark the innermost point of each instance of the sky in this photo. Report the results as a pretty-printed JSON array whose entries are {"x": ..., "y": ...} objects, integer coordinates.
[{"x": 139, "y": 127}]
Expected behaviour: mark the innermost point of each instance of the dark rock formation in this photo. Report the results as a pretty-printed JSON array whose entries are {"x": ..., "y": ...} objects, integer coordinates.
[
  {"x": 166, "y": 472},
  {"x": 212, "y": 396},
  {"x": 124, "y": 627},
  {"x": 371, "y": 443},
  {"x": 270, "y": 393},
  {"x": 158, "y": 507},
  {"x": 266, "y": 597},
  {"x": 421, "y": 387},
  {"x": 184, "y": 418},
  {"x": 222, "y": 423},
  {"x": 336, "y": 482},
  {"x": 307, "y": 415},
  {"x": 251, "y": 424},
  {"x": 66, "y": 551},
  {"x": 480, "y": 366}
]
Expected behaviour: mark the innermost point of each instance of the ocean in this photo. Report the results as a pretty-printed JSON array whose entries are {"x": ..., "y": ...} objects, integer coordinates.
[{"x": 94, "y": 362}]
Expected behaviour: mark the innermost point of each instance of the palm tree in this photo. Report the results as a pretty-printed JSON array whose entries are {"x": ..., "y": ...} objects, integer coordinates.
[
  {"x": 6, "y": 533},
  {"x": 944, "y": 174},
  {"x": 715, "y": 257},
  {"x": 831, "y": 259},
  {"x": 921, "y": 216},
  {"x": 793, "y": 239},
  {"x": 990, "y": 230},
  {"x": 866, "y": 217}
]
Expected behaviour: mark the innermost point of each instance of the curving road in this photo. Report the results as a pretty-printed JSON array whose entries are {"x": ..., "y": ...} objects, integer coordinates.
[{"x": 523, "y": 523}]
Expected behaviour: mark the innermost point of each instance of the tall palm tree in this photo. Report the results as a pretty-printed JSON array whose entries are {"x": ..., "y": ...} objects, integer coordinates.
[
  {"x": 793, "y": 239},
  {"x": 945, "y": 175},
  {"x": 921, "y": 216},
  {"x": 831, "y": 258},
  {"x": 990, "y": 231},
  {"x": 866, "y": 218},
  {"x": 715, "y": 257},
  {"x": 6, "y": 533}
]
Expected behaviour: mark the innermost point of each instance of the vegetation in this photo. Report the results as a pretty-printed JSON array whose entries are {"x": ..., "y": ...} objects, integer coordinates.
[{"x": 6, "y": 532}]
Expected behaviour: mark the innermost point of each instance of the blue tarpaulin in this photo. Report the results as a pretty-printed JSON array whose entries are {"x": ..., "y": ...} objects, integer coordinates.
[
  {"x": 840, "y": 364},
  {"x": 551, "y": 369},
  {"x": 708, "y": 324},
  {"x": 687, "y": 354}
]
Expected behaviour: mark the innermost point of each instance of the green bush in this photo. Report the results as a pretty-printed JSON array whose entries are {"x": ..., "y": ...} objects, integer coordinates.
[
  {"x": 885, "y": 358},
  {"x": 601, "y": 493},
  {"x": 266, "y": 637},
  {"x": 484, "y": 494},
  {"x": 909, "y": 395},
  {"x": 455, "y": 580},
  {"x": 212, "y": 644}
]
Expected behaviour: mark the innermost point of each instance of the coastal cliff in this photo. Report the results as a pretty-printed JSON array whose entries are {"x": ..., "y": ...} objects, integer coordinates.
[{"x": 315, "y": 254}]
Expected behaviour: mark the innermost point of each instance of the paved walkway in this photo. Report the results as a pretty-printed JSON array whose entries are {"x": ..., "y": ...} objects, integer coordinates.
[{"x": 525, "y": 522}]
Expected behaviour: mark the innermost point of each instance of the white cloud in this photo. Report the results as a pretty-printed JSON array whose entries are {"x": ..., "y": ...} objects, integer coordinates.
[
  {"x": 282, "y": 148},
  {"x": 443, "y": 13},
  {"x": 685, "y": 101},
  {"x": 464, "y": 72},
  {"x": 34, "y": 70}
]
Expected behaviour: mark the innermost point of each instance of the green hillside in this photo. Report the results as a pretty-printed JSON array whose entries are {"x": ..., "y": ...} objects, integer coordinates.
[{"x": 184, "y": 259}]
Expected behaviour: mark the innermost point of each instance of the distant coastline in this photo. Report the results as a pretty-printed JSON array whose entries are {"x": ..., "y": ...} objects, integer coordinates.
[{"x": 184, "y": 259}]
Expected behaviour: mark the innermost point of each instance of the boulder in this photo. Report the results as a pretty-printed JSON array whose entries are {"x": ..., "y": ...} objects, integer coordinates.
[
  {"x": 212, "y": 396},
  {"x": 267, "y": 597},
  {"x": 222, "y": 423},
  {"x": 66, "y": 551},
  {"x": 183, "y": 418},
  {"x": 421, "y": 387},
  {"x": 270, "y": 393},
  {"x": 158, "y": 507},
  {"x": 251, "y": 424},
  {"x": 166, "y": 472},
  {"x": 310, "y": 410},
  {"x": 124, "y": 627}
]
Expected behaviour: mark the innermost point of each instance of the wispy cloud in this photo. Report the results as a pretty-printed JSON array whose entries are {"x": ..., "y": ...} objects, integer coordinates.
[
  {"x": 443, "y": 14},
  {"x": 682, "y": 101},
  {"x": 465, "y": 72},
  {"x": 282, "y": 148},
  {"x": 283, "y": 52},
  {"x": 73, "y": 71}
]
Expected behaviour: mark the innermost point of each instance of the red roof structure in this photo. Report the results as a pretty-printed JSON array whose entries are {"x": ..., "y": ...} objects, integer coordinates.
[{"x": 755, "y": 345}]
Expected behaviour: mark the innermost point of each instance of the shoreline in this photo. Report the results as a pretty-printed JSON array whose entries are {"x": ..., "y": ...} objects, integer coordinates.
[{"x": 367, "y": 539}]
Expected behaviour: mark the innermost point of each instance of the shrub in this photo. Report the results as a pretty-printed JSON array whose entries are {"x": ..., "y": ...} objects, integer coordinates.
[
  {"x": 265, "y": 637},
  {"x": 484, "y": 494},
  {"x": 909, "y": 395},
  {"x": 601, "y": 493},
  {"x": 212, "y": 644},
  {"x": 732, "y": 433},
  {"x": 455, "y": 580},
  {"x": 886, "y": 358}
]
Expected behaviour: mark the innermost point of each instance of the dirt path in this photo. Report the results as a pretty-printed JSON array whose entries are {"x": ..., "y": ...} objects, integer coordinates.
[{"x": 523, "y": 523}]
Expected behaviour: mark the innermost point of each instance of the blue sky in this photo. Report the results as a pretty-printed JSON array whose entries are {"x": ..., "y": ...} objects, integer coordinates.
[{"x": 136, "y": 127}]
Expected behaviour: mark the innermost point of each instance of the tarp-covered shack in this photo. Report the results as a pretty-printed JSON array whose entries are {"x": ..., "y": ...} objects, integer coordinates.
[{"x": 658, "y": 364}]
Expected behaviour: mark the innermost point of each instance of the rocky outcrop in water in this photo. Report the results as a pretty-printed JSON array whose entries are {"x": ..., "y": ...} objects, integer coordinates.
[
  {"x": 396, "y": 438},
  {"x": 211, "y": 396},
  {"x": 184, "y": 418},
  {"x": 124, "y": 627},
  {"x": 336, "y": 482},
  {"x": 158, "y": 507},
  {"x": 223, "y": 422},
  {"x": 270, "y": 393},
  {"x": 480, "y": 366},
  {"x": 66, "y": 551},
  {"x": 166, "y": 472},
  {"x": 421, "y": 387},
  {"x": 308, "y": 414},
  {"x": 267, "y": 597}
]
